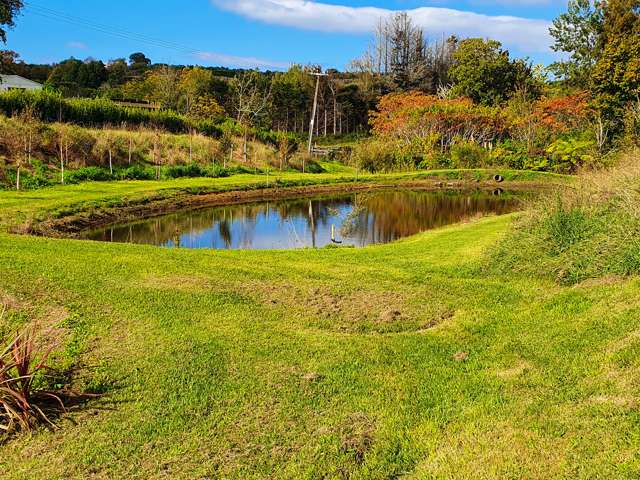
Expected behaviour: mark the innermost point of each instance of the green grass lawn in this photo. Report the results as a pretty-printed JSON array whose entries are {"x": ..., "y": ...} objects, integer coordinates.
[{"x": 409, "y": 359}]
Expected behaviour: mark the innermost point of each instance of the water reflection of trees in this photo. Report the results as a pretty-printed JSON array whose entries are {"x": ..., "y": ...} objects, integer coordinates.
[
  {"x": 387, "y": 216},
  {"x": 221, "y": 222},
  {"x": 376, "y": 217}
]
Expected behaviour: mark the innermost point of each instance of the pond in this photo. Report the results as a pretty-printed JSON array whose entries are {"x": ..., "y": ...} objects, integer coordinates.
[{"x": 354, "y": 219}]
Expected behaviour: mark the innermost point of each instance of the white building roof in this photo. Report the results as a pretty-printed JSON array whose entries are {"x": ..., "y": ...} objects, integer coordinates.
[{"x": 16, "y": 81}]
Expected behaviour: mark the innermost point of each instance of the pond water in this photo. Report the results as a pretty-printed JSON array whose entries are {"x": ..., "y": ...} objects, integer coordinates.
[{"x": 356, "y": 219}]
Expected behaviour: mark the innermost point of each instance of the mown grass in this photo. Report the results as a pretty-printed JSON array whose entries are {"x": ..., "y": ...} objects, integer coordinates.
[{"x": 409, "y": 359}]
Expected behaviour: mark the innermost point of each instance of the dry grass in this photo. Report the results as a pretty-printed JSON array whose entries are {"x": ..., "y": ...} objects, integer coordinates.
[
  {"x": 589, "y": 230},
  {"x": 491, "y": 452},
  {"x": 515, "y": 371}
]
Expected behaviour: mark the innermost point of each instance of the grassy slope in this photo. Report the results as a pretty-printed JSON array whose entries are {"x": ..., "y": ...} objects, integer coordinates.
[{"x": 319, "y": 363}]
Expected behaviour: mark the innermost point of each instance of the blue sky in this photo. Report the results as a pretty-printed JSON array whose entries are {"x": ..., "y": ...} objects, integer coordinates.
[{"x": 263, "y": 33}]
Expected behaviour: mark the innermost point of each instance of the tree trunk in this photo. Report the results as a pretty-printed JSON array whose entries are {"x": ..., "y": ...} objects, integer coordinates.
[
  {"x": 155, "y": 159},
  {"x": 244, "y": 146},
  {"x": 61, "y": 164},
  {"x": 130, "y": 148},
  {"x": 325, "y": 122},
  {"x": 110, "y": 163},
  {"x": 18, "y": 178}
]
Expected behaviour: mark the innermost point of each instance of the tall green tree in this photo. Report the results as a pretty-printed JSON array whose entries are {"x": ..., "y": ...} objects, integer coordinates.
[
  {"x": 139, "y": 63},
  {"x": 117, "y": 72},
  {"x": 483, "y": 72},
  {"x": 577, "y": 32},
  {"x": 194, "y": 83},
  {"x": 77, "y": 78},
  {"x": 164, "y": 84},
  {"x": 8, "y": 11},
  {"x": 291, "y": 98},
  {"x": 616, "y": 76}
]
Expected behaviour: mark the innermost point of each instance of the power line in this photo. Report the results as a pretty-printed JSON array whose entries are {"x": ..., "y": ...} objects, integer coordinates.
[{"x": 117, "y": 32}]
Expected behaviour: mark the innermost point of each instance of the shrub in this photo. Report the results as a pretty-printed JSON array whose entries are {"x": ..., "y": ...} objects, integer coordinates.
[
  {"x": 512, "y": 154},
  {"x": 23, "y": 401},
  {"x": 194, "y": 170},
  {"x": 177, "y": 171},
  {"x": 568, "y": 154},
  {"x": 414, "y": 114},
  {"x": 216, "y": 171},
  {"x": 435, "y": 160},
  {"x": 52, "y": 107},
  {"x": 384, "y": 155},
  {"x": 95, "y": 174},
  {"x": 310, "y": 163},
  {"x": 468, "y": 155},
  {"x": 135, "y": 172},
  {"x": 30, "y": 179}
]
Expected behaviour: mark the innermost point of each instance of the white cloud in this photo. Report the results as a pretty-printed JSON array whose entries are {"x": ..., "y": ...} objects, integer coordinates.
[
  {"x": 241, "y": 62},
  {"x": 77, "y": 45},
  {"x": 527, "y": 35}
]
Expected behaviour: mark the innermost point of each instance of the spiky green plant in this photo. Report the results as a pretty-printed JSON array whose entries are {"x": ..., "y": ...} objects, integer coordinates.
[{"x": 23, "y": 404}]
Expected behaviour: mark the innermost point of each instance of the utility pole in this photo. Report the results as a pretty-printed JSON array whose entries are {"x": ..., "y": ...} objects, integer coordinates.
[{"x": 315, "y": 108}]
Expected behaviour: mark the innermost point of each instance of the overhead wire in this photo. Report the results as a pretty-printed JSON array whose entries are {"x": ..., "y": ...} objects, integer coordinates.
[{"x": 113, "y": 31}]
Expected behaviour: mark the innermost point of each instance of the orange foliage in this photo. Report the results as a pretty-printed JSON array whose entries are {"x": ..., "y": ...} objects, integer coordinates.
[
  {"x": 395, "y": 109},
  {"x": 563, "y": 114},
  {"x": 406, "y": 117},
  {"x": 414, "y": 114}
]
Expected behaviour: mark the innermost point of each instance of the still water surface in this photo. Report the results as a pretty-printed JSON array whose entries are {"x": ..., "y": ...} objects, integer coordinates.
[{"x": 358, "y": 219}]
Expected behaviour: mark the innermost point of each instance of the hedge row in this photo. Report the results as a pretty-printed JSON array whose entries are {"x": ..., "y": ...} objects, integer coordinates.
[{"x": 51, "y": 107}]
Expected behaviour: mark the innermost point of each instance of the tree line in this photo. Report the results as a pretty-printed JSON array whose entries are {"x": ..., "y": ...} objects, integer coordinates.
[
  {"x": 441, "y": 96},
  {"x": 287, "y": 96}
]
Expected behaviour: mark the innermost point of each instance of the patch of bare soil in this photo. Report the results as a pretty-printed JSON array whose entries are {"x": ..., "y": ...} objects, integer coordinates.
[
  {"x": 356, "y": 438},
  {"x": 44, "y": 321},
  {"x": 8, "y": 302},
  {"x": 358, "y": 311},
  {"x": 600, "y": 282},
  {"x": 460, "y": 356},
  {"x": 616, "y": 400},
  {"x": 187, "y": 283},
  {"x": 624, "y": 342},
  {"x": 515, "y": 371}
]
